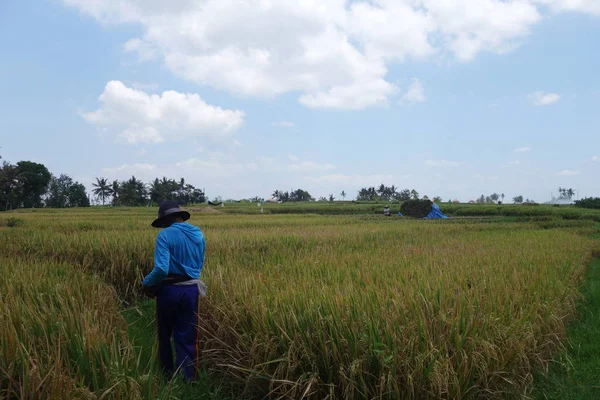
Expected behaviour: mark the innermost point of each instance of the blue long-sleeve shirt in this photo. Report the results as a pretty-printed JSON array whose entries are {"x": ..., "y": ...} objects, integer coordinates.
[{"x": 179, "y": 250}]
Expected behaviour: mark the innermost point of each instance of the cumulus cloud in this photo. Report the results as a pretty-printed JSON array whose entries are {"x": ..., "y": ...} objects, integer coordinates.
[
  {"x": 566, "y": 172},
  {"x": 334, "y": 53},
  {"x": 523, "y": 149},
  {"x": 543, "y": 98},
  {"x": 415, "y": 93},
  {"x": 138, "y": 117},
  {"x": 441, "y": 163},
  {"x": 596, "y": 158}
]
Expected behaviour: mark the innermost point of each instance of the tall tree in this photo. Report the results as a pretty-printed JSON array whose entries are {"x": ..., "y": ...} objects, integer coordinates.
[
  {"x": 132, "y": 192},
  {"x": 343, "y": 195},
  {"x": 101, "y": 189},
  {"x": 404, "y": 195},
  {"x": 181, "y": 186},
  {"x": 115, "y": 190},
  {"x": 518, "y": 199},
  {"x": 59, "y": 190},
  {"x": 414, "y": 194},
  {"x": 77, "y": 197},
  {"x": 9, "y": 186},
  {"x": 34, "y": 180}
]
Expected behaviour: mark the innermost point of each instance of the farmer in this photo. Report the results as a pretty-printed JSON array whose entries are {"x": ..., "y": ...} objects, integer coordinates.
[
  {"x": 386, "y": 211},
  {"x": 175, "y": 283}
]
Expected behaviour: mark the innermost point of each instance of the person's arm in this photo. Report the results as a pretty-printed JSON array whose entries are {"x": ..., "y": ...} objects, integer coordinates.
[{"x": 162, "y": 257}]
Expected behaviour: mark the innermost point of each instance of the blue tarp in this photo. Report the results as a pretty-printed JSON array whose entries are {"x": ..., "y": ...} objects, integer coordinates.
[
  {"x": 435, "y": 213},
  {"x": 400, "y": 214}
]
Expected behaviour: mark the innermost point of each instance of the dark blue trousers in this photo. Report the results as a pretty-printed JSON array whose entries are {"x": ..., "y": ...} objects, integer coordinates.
[{"x": 177, "y": 317}]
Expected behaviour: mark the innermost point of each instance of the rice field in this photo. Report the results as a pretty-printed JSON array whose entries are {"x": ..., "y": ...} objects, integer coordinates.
[{"x": 299, "y": 306}]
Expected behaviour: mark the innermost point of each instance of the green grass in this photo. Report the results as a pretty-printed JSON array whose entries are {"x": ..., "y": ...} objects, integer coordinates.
[
  {"x": 142, "y": 332},
  {"x": 576, "y": 373}
]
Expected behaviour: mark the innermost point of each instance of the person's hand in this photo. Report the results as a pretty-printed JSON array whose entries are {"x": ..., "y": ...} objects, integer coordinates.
[{"x": 149, "y": 291}]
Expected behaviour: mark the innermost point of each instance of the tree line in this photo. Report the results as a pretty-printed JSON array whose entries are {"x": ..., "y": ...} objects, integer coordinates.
[
  {"x": 27, "y": 184},
  {"x": 134, "y": 192},
  {"x": 387, "y": 193}
]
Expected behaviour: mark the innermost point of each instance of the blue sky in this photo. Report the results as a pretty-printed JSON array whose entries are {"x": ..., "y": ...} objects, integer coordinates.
[{"x": 453, "y": 98}]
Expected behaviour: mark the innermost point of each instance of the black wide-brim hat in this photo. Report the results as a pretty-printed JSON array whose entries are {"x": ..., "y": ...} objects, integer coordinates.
[{"x": 169, "y": 208}]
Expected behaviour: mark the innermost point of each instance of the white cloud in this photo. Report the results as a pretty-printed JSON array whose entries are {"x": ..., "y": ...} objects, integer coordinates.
[
  {"x": 310, "y": 166},
  {"x": 415, "y": 93},
  {"x": 596, "y": 158},
  {"x": 145, "y": 51},
  {"x": 293, "y": 157},
  {"x": 523, "y": 149},
  {"x": 283, "y": 124},
  {"x": 587, "y": 6},
  {"x": 468, "y": 27},
  {"x": 567, "y": 172},
  {"x": 334, "y": 53},
  {"x": 138, "y": 117},
  {"x": 543, "y": 98},
  {"x": 441, "y": 163},
  {"x": 516, "y": 162},
  {"x": 355, "y": 96}
]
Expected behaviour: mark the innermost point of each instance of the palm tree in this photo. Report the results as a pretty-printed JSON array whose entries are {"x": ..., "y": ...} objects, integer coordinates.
[
  {"x": 276, "y": 194},
  {"x": 502, "y": 195},
  {"x": 133, "y": 192},
  {"x": 115, "y": 190},
  {"x": 343, "y": 195},
  {"x": 101, "y": 189},
  {"x": 181, "y": 186}
]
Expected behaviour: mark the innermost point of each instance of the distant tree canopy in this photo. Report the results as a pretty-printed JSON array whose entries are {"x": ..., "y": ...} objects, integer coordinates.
[
  {"x": 134, "y": 192},
  {"x": 23, "y": 185},
  {"x": 565, "y": 194},
  {"x": 64, "y": 192},
  {"x": 493, "y": 198},
  {"x": 386, "y": 193},
  {"x": 588, "y": 202},
  {"x": 294, "y": 195}
]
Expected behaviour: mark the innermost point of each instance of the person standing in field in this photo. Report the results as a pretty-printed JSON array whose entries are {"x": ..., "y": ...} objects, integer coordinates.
[{"x": 176, "y": 285}]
